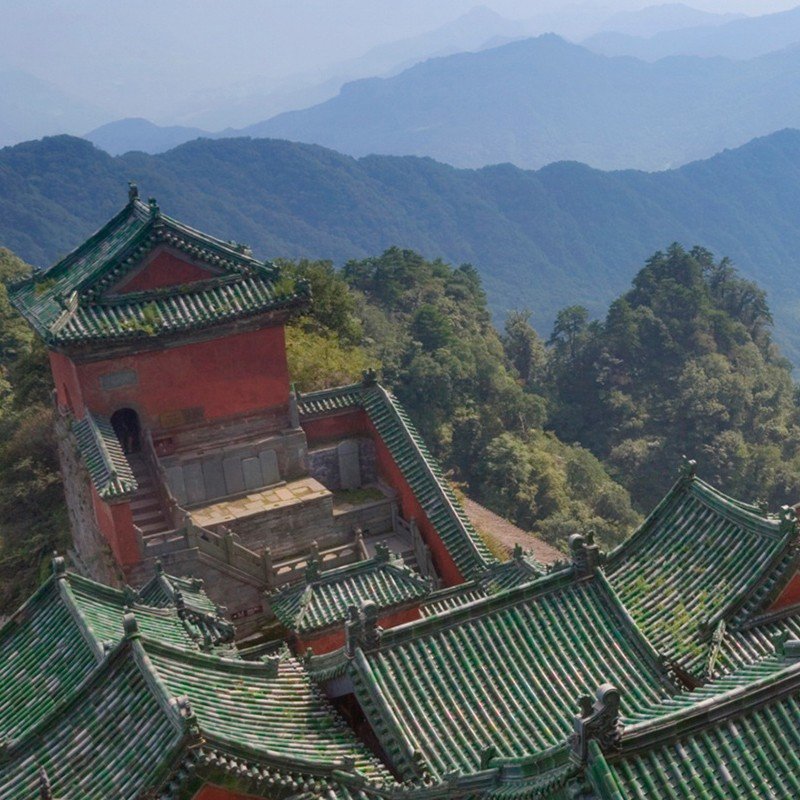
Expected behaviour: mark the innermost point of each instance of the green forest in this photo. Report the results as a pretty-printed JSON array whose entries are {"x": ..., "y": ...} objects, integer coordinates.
[{"x": 582, "y": 430}]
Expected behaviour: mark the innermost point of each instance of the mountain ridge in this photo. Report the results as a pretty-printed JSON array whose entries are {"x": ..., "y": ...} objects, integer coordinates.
[{"x": 563, "y": 235}]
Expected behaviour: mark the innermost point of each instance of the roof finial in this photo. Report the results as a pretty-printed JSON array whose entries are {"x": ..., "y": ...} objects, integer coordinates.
[
  {"x": 585, "y": 553},
  {"x": 154, "y": 209},
  {"x": 129, "y": 624},
  {"x": 59, "y": 565},
  {"x": 599, "y": 720},
  {"x": 788, "y": 524},
  {"x": 688, "y": 468},
  {"x": 370, "y": 377},
  {"x": 133, "y": 191},
  {"x": 45, "y": 790}
]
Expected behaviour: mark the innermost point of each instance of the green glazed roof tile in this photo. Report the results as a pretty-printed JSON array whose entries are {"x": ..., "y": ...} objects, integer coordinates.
[
  {"x": 271, "y": 708},
  {"x": 505, "y": 671},
  {"x": 111, "y": 738},
  {"x": 698, "y": 558},
  {"x": 743, "y": 743},
  {"x": 73, "y": 301},
  {"x": 44, "y": 655},
  {"x": 324, "y": 601},
  {"x": 108, "y": 468},
  {"x": 103, "y": 609}
]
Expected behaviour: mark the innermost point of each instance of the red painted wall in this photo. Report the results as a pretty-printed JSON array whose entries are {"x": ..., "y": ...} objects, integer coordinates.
[
  {"x": 68, "y": 388},
  {"x": 164, "y": 269},
  {"x": 116, "y": 525},
  {"x": 333, "y": 640},
  {"x": 225, "y": 377},
  {"x": 209, "y": 792},
  {"x": 789, "y": 596},
  {"x": 353, "y": 423}
]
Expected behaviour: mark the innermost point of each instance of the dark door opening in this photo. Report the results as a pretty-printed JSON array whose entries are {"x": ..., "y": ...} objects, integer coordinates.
[{"x": 125, "y": 422}]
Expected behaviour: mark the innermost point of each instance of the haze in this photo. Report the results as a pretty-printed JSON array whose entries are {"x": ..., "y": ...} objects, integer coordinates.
[{"x": 217, "y": 64}]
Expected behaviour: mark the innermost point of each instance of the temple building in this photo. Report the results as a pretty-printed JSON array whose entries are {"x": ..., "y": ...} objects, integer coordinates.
[{"x": 278, "y": 595}]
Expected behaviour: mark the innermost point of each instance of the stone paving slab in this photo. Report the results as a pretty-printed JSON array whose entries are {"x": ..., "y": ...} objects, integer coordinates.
[{"x": 288, "y": 494}]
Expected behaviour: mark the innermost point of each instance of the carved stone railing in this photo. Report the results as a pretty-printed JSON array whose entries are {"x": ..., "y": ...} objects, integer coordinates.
[{"x": 293, "y": 570}]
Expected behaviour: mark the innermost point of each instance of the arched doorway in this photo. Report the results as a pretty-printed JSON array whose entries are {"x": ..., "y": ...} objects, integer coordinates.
[{"x": 125, "y": 422}]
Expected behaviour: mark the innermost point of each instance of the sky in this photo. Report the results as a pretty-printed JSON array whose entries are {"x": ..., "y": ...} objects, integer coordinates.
[{"x": 168, "y": 60}]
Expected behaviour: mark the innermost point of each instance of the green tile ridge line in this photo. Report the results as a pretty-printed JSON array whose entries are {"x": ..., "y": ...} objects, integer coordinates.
[
  {"x": 483, "y": 559},
  {"x": 407, "y": 755},
  {"x": 479, "y": 607},
  {"x": 640, "y": 642},
  {"x": 105, "y": 453},
  {"x": 734, "y": 511},
  {"x": 601, "y": 776},
  {"x": 68, "y": 598},
  {"x": 165, "y": 699},
  {"x": 735, "y": 702},
  {"x": 326, "y": 665}
]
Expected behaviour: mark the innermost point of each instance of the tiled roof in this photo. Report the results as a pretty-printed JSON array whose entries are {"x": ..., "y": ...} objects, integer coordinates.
[
  {"x": 127, "y": 717},
  {"x": 73, "y": 301},
  {"x": 327, "y": 401},
  {"x": 744, "y": 745},
  {"x": 324, "y": 600},
  {"x": 104, "y": 458},
  {"x": 419, "y": 468},
  {"x": 164, "y": 591},
  {"x": 271, "y": 710},
  {"x": 503, "y": 672},
  {"x": 110, "y": 737},
  {"x": 699, "y": 558},
  {"x": 103, "y": 608},
  {"x": 44, "y": 656}
]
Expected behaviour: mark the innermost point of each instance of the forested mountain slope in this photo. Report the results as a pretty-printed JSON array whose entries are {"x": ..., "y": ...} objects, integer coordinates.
[{"x": 563, "y": 235}]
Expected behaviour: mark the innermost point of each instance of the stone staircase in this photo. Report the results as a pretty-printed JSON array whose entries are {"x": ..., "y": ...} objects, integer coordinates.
[{"x": 148, "y": 513}]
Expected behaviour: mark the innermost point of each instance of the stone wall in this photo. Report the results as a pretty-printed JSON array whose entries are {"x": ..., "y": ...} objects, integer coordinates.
[
  {"x": 290, "y": 530},
  {"x": 226, "y": 471},
  {"x": 94, "y": 557},
  {"x": 324, "y": 463}
]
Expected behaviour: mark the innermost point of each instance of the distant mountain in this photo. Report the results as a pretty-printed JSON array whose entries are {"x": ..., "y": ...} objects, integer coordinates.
[
  {"x": 541, "y": 100},
  {"x": 652, "y": 20},
  {"x": 136, "y": 133},
  {"x": 30, "y": 107},
  {"x": 257, "y": 99},
  {"x": 565, "y": 234},
  {"x": 744, "y": 38}
]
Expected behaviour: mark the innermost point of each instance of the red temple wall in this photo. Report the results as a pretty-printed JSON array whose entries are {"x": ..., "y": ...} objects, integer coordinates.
[
  {"x": 232, "y": 375},
  {"x": 116, "y": 525},
  {"x": 340, "y": 426},
  {"x": 789, "y": 596},
  {"x": 68, "y": 387},
  {"x": 328, "y": 642},
  {"x": 165, "y": 269}
]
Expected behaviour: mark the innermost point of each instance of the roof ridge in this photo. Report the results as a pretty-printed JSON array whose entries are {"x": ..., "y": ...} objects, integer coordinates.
[
  {"x": 736, "y": 701},
  {"x": 639, "y": 640},
  {"x": 450, "y": 503},
  {"x": 538, "y": 587},
  {"x": 68, "y": 599}
]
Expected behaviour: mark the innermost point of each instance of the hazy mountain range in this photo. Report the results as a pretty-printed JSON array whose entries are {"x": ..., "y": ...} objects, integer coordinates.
[
  {"x": 162, "y": 80},
  {"x": 738, "y": 39},
  {"x": 565, "y": 234}
]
